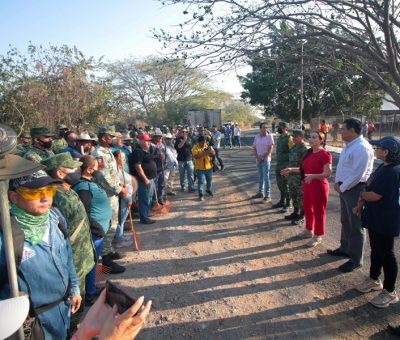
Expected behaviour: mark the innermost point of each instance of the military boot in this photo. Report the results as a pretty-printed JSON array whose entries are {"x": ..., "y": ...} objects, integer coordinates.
[
  {"x": 293, "y": 216},
  {"x": 280, "y": 204}
]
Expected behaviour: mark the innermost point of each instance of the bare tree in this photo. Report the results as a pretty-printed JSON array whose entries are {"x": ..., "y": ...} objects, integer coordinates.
[{"x": 225, "y": 32}]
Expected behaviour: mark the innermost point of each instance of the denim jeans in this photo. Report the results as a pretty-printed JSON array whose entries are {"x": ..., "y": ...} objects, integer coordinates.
[
  {"x": 201, "y": 174},
  {"x": 91, "y": 276},
  {"x": 236, "y": 141},
  {"x": 263, "y": 178},
  {"x": 159, "y": 183},
  {"x": 186, "y": 168},
  {"x": 123, "y": 215},
  {"x": 145, "y": 196}
]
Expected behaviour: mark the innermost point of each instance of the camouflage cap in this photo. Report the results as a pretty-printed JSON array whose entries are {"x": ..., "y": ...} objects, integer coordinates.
[
  {"x": 106, "y": 130},
  {"x": 61, "y": 127},
  {"x": 41, "y": 131},
  {"x": 283, "y": 125},
  {"x": 297, "y": 133},
  {"x": 25, "y": 135},
  {"x": 60, "y": 160}
]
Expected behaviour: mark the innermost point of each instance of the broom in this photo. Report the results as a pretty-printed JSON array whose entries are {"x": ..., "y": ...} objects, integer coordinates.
[{"x": 136, "y": 239}]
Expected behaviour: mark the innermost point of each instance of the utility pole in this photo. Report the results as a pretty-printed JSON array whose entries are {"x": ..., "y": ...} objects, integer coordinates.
[{"x": 302, "y": 85}]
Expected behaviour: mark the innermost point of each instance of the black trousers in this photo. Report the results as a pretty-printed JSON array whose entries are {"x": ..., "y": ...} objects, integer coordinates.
[{"x": 383, "y": 256}]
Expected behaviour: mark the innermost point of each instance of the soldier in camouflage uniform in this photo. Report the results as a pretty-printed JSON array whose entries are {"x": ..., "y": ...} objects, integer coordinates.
[
  {"x": 24, "y": 144},
  {"x": 59, "y": 143},
  {"x": 42, "y": 141},
  {"x": 296, "y": 154},
  {"x": 63, "y": 167},
  {"x": 108, "y": 180},
  {"x": 283, "y": 145}
]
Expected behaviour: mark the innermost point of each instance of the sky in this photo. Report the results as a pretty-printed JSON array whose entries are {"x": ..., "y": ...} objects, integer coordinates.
[{"x": 114, "y": 29}]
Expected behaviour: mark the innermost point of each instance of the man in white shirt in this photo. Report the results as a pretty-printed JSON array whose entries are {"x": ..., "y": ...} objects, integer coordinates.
[
  {"x": 353, "y": 170},
  {"x": 236, "y": 136},
  {"x": 216, "y": 139}
]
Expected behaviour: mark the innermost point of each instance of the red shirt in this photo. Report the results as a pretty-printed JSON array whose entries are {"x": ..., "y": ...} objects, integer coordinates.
[{"x": 314, "y": 162}]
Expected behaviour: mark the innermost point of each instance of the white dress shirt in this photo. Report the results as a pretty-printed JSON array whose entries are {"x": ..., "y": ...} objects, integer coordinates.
[{"x": 355, "y": 163}]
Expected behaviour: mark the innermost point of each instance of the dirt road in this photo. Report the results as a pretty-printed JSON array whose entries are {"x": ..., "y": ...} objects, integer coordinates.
[{"x": 232, "y": 268}]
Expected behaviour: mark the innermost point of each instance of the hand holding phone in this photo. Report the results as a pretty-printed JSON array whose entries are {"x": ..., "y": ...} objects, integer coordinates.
[{"x": 116, "y": 296}]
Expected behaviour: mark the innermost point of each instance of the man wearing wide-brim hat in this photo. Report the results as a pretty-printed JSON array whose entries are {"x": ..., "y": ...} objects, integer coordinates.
[
  {"x": 85, "y": 143},
  {"x": 158, "y": 153},
  {"x": 64, "y": 168},
  {"x": 109, "y": 181},
  {"x": 42, "y": 142}
]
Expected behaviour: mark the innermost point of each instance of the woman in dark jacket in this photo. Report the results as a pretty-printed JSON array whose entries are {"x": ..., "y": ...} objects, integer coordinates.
[{"x": 379, "y": 206}]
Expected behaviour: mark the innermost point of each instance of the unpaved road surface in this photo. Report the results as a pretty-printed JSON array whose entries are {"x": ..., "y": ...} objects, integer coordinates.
[{"x": 231, "y": 268}]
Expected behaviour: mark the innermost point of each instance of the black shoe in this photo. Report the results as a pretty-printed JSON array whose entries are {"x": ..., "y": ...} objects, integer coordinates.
[
  {"x": 209, "y": 192},
  {"x": 112, "y": 267},
  {"x": 348, "y": 267},
  {"x": 278, "y": 205},
  {"x": 292, "y": 216},
  {"x": 148, "y": 221},
  {"x": 336, "y": 252},
  {"x": 114, "y": 256},
  {"x": 395, "y": 330},
  {"x": 298, "y": 221}
]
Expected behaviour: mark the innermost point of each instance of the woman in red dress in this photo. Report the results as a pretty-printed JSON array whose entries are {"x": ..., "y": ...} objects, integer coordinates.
[{"x": 315, "y": 168}]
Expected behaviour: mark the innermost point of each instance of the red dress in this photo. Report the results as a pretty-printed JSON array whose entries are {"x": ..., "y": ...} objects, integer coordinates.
[{"x": 315, "y": 195}]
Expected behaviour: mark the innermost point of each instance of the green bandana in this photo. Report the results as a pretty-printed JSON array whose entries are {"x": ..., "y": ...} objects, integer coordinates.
[{"x": 33, "y": 226}]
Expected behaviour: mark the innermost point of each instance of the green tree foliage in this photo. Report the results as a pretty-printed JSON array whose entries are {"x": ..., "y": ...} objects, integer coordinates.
[
  {"x": 275, "y": 83},
  {"x": 161, "y": 90},
  {"x": 364, "y": 33},
  {"x": 239, "y": 112},
  {"x": 50, "y": 85}
]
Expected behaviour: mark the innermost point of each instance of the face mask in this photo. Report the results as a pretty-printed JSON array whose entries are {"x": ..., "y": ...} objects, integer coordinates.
[
  {"x": 96, "y": 175},
  {"x": 72, "y": 178},
  {"x": 280, "y": 130},
  {"x": 45, "y": 145}
]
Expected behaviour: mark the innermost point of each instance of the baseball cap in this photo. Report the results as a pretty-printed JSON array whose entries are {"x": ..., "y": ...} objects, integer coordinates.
[
  {"x": 63, "y": 159},
  {"x": 36, "y": 180},
  {"x": 390, "y": 143},
  {"x": 145, "y": 137}
]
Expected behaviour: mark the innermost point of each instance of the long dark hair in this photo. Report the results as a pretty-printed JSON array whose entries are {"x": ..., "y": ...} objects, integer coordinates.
[{"x": 321, "y": 137}]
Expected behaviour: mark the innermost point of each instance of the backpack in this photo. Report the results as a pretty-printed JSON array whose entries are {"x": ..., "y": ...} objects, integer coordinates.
[{"x": 32, "y": 324}]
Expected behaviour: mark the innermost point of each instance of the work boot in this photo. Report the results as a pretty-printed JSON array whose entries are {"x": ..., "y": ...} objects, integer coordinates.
[
  {"x": 114, "y": 268},
  {"x": 278, "y": 205},
  {"x": 293, "y": 216}
]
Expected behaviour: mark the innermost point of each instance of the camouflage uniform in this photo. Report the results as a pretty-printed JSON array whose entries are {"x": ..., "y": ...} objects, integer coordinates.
[
  {"x": 109, "y": 181},
  {"x": 22, "y": 149},
  {"x": 68, "y": 202},
  {"x": 283, "y": 145},
  {"x": 59, "y": 145},
  {"x": 36, "y": 155},
  {"x": 296, "y": 153}
]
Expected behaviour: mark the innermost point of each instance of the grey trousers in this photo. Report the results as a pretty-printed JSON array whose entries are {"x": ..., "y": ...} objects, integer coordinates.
[{"x": 352, "y": 237}]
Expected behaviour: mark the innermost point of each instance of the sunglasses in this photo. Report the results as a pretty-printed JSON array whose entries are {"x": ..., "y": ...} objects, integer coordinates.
[{"x": 36, "y": 194}]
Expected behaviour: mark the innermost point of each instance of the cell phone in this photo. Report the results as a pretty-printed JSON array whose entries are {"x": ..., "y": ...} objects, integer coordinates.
[{"x": 116, "y": 296}]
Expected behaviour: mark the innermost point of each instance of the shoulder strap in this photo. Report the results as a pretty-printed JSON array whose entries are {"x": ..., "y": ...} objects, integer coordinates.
[{"x": 61, "y": 224}]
